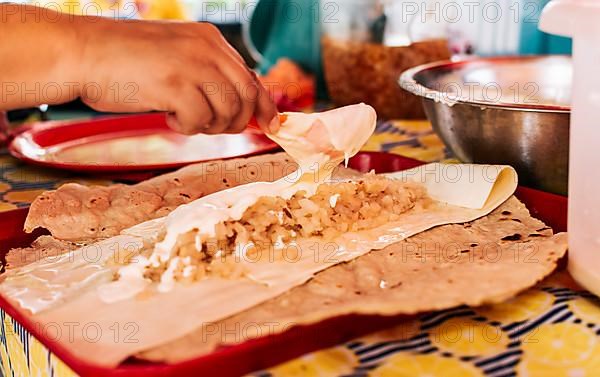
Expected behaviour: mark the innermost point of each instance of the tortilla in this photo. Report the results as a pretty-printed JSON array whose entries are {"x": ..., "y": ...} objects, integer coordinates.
[
  {"x": 63, "y": 289},
  {"x": 482, "y": 262},
  {"x": 461, "y": 265},
  {"x": 330, "y": 297},
  {"x": 42, "y": 247},
  {"x": 76, "y": 212}
]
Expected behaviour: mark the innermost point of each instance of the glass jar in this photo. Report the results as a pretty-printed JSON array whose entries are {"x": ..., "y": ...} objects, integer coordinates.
[{"x": 367, "y": 44}]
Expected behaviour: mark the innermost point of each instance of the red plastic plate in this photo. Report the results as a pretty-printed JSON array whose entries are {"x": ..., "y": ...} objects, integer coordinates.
[
  {"x": 128, "y": 143},
  {"x": 271, "y": 350}
]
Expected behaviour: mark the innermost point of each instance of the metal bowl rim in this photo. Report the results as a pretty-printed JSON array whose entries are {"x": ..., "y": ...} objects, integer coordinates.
[{"x": 407, "y": 82}]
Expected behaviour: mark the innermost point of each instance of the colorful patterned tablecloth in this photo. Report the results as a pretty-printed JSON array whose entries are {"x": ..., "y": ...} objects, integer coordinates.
[{"x": 550, "y": 330}]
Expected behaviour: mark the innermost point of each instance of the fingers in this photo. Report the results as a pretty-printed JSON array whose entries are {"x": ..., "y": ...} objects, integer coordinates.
[
  {"x": 190, "y": 112},
  {"x": 243, "y": 81},
  {"x": 252, "y": 90},
  {"x": 266, "y": 112},
  {"x": 223, "y": 98},
  {"x": 221, "y": 94},
  {"x": 248, "y": 105},
  {"x": 229, "y": 49}
]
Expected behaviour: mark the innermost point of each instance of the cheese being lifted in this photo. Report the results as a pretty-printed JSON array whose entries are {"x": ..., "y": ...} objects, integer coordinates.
[{"x": 325, "y": 139}]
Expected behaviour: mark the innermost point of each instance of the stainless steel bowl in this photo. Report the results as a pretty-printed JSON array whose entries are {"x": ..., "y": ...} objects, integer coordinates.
[{"x": 507, "y": 110}]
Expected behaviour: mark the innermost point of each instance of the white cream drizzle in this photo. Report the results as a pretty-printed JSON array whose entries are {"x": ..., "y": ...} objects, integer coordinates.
[
  {"x": 279, "y": 244},
  {"x": 333, "y": 200},
  {"x": 167, "y": 280},
  {"x": 128, "y": 284},
  {"x": 188, "y": 270}
]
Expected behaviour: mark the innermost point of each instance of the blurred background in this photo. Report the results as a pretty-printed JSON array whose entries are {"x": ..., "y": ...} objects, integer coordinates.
[
  {"x": 353, "y": 49},
  {"x": 409, "y": 59}
]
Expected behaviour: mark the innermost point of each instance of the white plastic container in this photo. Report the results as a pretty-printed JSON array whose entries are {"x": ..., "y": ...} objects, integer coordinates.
[{"x": 580, "y": 19}]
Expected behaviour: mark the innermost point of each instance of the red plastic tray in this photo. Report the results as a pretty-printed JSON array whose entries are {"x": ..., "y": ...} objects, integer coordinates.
[
  {"x": 269, "y": 351},
  {"x": 81, "y": 145}
]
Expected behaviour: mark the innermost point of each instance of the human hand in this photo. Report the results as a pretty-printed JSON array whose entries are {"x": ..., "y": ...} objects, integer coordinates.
[{"x": 186, "y": 69}]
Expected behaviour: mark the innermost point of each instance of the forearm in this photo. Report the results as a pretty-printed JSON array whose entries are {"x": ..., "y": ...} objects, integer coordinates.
[
  {"x": 39, "y": 53},
  {"x": 187, "y": 70}
]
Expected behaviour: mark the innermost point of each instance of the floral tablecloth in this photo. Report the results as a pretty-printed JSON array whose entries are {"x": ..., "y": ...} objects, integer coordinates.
[{"x": 550, "y": 330}]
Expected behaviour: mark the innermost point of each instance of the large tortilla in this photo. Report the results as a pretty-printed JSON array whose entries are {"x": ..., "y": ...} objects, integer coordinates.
[
  {"x": 178, "y": 315},
  {"x": 485, "y": 261}
]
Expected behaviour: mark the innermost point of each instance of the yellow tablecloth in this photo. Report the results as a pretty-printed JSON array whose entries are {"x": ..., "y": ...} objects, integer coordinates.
[{"x": 550, "y": 330}]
